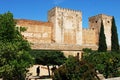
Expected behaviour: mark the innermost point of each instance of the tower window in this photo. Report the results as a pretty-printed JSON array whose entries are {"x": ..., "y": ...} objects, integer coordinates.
[
  {"x": 108, "y": 21},
  {"x": 96, "y": 21}
]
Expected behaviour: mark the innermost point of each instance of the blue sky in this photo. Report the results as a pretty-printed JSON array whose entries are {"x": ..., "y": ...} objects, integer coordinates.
[{"x": 37, "y": 9}]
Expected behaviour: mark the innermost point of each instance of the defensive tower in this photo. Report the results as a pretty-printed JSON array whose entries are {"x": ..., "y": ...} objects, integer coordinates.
[
  {"x": 67, "y": 25},
  {"x": 95, "y": 23}
]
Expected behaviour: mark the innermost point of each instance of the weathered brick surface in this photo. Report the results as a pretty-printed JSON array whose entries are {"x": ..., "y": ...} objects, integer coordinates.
[
  {"x": 95, "y": 23},
  {"x": 67, "y": 25},
  {"x": 64, "y": 31},
  {"x": 39, "y": 32},
  {"x": 89, "y": 37},
  {"x": 64, "y": 47}
]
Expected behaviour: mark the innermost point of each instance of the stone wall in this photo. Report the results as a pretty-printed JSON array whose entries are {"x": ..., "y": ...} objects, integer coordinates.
[
  {"x": 62, "y": 47},
  {"x": 38, "y": 32},
  {"x": 64, "y": 31},
  {"x": 67, "y": 25},
  {"x": 89, "y": 37},
  {"x": 95, "y": 23},
  {"x": 68, "y": 49},
  {"x": 115, "y": 78}
]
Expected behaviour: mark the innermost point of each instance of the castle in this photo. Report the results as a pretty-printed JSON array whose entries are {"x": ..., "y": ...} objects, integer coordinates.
[{"x": 64, "y": 31}]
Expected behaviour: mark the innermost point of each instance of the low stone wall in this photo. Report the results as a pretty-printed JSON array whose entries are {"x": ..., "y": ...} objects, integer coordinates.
[
  {"x": 63, "y": 47},
  {"x": 43, "y": 70},
  {"x": 116, "y": 78}
]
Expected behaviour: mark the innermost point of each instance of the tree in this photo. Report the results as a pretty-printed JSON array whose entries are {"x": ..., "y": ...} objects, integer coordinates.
[
  {"x": 106, "y": 63},
  {"x": 114, "y": 37},
  {"x": 102, "y": 46},
  {"x": 48, "y": 58},
  {"x": 73, "y": 69},
  {"x": 7, "y": 27},
  {"x": 14, "y": 50}
]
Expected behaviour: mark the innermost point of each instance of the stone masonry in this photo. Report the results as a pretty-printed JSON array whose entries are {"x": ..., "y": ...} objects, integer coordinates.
[
  {"x": 64, "y": 31},
  {"x": 67, "y": 25},
  {"x": 95, "y": 23}
]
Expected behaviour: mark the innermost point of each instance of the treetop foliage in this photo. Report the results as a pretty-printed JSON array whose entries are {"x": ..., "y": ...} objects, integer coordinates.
[{"x": 14, "y": 50}]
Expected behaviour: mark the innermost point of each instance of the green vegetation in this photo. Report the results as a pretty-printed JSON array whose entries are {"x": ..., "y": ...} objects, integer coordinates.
[
  {"x": 107, "y": 63},
  {"x": 14, "y": 50},
  {"x": 15, "y": 56},
  {"x": 48, "y": 58},
  {"x": 114, "y": 37},
  {"x": 102, "y": 46},
  {"x": 73, "y": 69}
]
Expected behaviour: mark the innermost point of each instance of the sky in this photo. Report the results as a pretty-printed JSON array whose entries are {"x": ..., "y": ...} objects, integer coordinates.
[{"x": 37, "y": 9}]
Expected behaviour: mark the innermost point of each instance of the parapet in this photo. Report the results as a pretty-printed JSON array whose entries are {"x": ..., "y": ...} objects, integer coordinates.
[
  {"x": 65, "y": 10},
  {"x": 100, "y": 16},
  {"x": 32, "y": 22}
]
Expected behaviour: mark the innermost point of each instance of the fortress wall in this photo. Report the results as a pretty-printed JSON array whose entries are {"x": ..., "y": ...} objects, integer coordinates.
[
  {"x": 66, "y": 48},
  {"x": 62, "y": 47},
  {"x": 89, "y": 37},
  {"x": 95, "y": 23},
  {"x": 67, "y": 25},
  {"x": 37, "y": 32},
  {"x": 107, "y": 21},
  {"x": 63, "y": 31}
]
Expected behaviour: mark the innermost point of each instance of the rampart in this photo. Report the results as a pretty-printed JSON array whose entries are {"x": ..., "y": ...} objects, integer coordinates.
[
  {"x": 89, "y": 37},
  {"x": 95, "y": 23},
  {"x": 64, "y": 31},
  {"x": 67, "y": 24},
  {"x": 39, "y": 32},
  {"x": 62, "y": 47}
]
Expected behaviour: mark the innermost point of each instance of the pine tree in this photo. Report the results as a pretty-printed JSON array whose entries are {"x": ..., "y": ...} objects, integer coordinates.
[
  {"x": 102, "y": 40},
  {"x": 114, "y": 37}
]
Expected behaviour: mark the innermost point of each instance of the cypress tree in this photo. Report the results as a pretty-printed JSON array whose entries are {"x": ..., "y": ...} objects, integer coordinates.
[
  {"x": 102, "y": 40},
  {"x": 114, "y": 37}
]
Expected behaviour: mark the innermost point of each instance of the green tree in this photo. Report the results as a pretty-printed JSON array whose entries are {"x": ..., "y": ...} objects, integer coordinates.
[
  {"x": 7, "y": 27},
  {"x": 106, "y": 63},
  {"x": 48, "y": 58},
  {"x": 102, "y": 46},
  {"x": 114, "y": 37},
  {"x": 73, "y": 69},
  {"x": 14, "y": 50}
]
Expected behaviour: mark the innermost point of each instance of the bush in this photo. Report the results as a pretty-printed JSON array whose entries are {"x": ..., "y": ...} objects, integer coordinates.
[
  {"x": 107, "y": 63},
  {"x": 74, "y": 69}
]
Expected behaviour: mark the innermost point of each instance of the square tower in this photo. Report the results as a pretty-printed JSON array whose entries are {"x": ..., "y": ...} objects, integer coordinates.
[
  {"x": 95, "y": 23},
  {"x": 67, "y": 25}
]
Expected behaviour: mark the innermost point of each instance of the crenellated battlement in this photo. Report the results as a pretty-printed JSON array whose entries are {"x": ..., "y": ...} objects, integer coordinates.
[
  {"x": 68, "y": 10},
  {"x": 66, "y": 23},
  {"x": 65, "y": 10},
  {"x": 64, "y": 26}
]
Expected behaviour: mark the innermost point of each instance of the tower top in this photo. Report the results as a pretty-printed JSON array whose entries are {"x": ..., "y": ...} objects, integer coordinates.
[
  {"x": 65, "y": 9},
  {"x": 101, "y": 16}
]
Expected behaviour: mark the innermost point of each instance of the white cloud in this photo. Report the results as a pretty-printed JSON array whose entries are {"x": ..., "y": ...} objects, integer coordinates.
[{"x": 57, "y": 2}]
